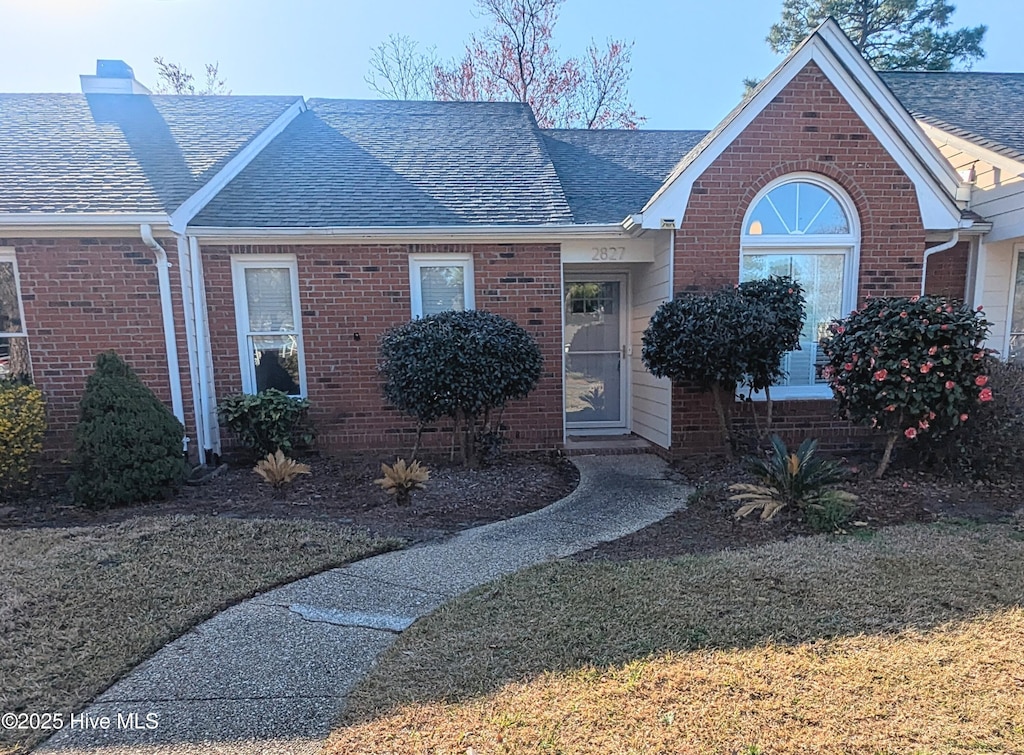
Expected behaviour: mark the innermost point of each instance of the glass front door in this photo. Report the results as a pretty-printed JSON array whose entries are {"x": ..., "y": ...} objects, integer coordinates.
[{"x": 595, "y": 353}]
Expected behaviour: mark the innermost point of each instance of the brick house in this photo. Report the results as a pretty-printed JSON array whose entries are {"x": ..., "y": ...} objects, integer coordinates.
[{"x": 227, "y": 244}]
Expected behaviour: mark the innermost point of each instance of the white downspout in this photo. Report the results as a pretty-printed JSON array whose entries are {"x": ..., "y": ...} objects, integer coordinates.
[
  {"x": 207, "y": 394},
  {"x": 935, "y": 250},
  {"x": 167, "y": 309},
  {"x": 187, "y": 294}
]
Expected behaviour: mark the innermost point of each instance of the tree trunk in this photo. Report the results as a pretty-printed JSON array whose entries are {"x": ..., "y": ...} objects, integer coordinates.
[
  {"x": 768, "y": 409},
  {"x": 887, "y": 455},
  {"x": 716, "y": 391},
  {"x": 416, "y": 445}
]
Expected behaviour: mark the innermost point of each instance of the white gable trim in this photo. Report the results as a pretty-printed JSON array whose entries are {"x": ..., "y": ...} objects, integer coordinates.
[
  {"x": 194, "y": 204},
  {"x": 933, "y": 177}
]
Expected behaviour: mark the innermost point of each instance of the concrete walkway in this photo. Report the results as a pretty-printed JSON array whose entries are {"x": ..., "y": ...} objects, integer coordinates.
[{"x": 271, "y": 675}]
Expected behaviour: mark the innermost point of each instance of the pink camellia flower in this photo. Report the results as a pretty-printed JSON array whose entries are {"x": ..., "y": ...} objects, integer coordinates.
[
  {"x": 841, "y": 389},
  {"x": 931, "y": 415},
  {"x": 848, "y": 366},
  {"x": 939, "y": 310},
  {"x": 985, "y": 395},
  {"x": 827, "y": 371},
  {"x": 903, "y": 314},
  {"x": 926, "y": 368},
  {"x": 891, "y": 408},
  {"x": 949, "y": 308},
  {"x": 923, "y": 424},
  {"x": 910, "y": 432},
  {"x": 881, "y": 375},
  {"x": 789, "y": 290},
  {"x": 914, "y": 299},
  {"x": 980, "y": 308},
  {"x": 908, "y": 379},
  {"x": 981, "y": 380},
  {"x": 963, "y": 417},
  {"x": 979, "y": 355},
  {"x": 932, "y": 351},
  {"x": 943, "y": 327},
  {"x": 950, "y": 385}
]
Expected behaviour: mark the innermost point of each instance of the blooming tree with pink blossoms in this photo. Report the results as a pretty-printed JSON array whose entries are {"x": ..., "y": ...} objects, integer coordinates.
[{"x": 908, "y": 366}]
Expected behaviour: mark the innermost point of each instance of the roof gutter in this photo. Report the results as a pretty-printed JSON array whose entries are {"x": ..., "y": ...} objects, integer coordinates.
[
  {"x": 167, "y": 310},
  {"x": 27, "y": 224},
  {"x": 409, "y": 233}
]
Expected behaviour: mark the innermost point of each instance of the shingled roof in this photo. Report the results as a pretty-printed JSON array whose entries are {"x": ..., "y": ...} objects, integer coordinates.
[
  {"x": 607, "y": 175},
  {"x": 386, "y": 163},
  {"x": 985, "y": 108},
  {"x": 107, "y": 153}
]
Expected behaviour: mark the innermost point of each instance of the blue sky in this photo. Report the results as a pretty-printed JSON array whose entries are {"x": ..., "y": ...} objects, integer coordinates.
[{"x": 688, "y": 60}]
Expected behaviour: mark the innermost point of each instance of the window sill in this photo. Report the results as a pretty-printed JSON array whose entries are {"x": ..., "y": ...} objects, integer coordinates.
[{"x": 801, "y": 393}]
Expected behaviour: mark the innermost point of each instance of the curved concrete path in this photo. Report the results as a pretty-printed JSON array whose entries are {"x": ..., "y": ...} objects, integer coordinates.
[{"x": 271, "y": 675}]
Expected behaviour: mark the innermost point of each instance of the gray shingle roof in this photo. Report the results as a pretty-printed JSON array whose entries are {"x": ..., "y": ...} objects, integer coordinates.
[
  {"x": 986, "y": 108},
  {"x": 607, "y": 175},
  {"x": 62, "y": 153},
  {"x": 352, "y": 163}
]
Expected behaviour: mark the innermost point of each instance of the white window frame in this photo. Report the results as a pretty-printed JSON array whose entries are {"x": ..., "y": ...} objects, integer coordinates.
[
  {"x": 239, "y": 264},
  {"x": 419, "y": 261},
  {"x": 7, "y": 255},
  {"x": 847, "y": 244}
]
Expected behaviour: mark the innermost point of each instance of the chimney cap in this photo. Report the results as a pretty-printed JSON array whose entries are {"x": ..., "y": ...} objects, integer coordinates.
[{"x": 114, "y": 69}]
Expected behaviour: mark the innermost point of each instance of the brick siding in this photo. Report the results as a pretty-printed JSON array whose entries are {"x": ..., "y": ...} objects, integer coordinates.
[
  {"x": 808, "y": 127},
  {"x": 947, "y": 272},
  {"x": 364, "y": 289},
  {"x": 84, "y": 296}
]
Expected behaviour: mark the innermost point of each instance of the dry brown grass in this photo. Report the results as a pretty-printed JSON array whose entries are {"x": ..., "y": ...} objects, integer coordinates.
[
  {"x": 909, "y": 642},
  {"x": 81, "y": 606}
]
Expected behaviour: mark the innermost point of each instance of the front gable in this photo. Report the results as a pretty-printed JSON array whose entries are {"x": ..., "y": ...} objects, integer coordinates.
[{"x": 826, "y": 54}]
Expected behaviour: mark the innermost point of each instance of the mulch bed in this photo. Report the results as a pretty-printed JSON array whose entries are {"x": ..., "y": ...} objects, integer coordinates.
[
  {"x": 342, "y": 490},
  {"x": 901, "y": 497}
]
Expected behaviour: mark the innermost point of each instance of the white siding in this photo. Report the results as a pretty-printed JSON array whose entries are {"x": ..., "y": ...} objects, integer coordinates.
[
  {"x": 995, "y": 291},
  {"x": 651, "y": 397}
]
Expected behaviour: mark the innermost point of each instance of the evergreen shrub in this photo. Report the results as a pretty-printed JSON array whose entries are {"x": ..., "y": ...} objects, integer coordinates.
[{"x": 128, "y": 445}]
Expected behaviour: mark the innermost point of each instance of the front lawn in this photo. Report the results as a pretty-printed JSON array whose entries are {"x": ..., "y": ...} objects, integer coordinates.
[
  {"x": 907, "y": 640},
  {"x": 80, "y": 606}
]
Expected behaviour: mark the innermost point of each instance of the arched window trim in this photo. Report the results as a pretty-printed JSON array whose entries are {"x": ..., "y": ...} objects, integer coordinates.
[{"x": 846, "y": 244}]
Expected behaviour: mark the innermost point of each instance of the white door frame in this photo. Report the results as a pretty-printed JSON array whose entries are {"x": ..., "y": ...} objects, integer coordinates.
[{"x": 621, "y": 426}]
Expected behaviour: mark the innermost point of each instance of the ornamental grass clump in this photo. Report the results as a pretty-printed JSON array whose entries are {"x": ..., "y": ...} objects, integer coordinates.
[
  {"x": 909, "y": 366},
  {"x": 798, "y": 479},
  {"x": 22, "y": 424},
  {"x": 401, "y": 479},
  {"x": 277, "y": 470}
]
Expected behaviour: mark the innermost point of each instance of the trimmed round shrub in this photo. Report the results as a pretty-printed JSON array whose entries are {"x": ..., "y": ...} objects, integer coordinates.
[
  {"x": 128, "y": 445},
  {"x": 268, "y": 421},
  {"x": 458, "y": 365},
  {"x": 22, "y": 424},
  {"x": 909, "y": 366}
]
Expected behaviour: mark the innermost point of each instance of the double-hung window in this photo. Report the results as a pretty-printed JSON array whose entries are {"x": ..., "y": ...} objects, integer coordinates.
[
  {"x": 269, "y": 329},
  {"x": 14, "y": 358},
  {"x": 1015, "y": 350},
  {"x": 805, "y": 227},
  {"x": 440, "y": 282}
]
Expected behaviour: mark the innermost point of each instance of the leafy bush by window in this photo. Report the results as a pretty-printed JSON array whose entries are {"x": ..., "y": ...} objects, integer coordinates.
[
  {"x": 723, "y": 339},
  {"x": 128, "y": 445},
  {"x": 459, "y": 365},
  {"x": 22, "y": 424},
  {"x": 909, "y": 366},
  {"x": 267, "y": 421}
]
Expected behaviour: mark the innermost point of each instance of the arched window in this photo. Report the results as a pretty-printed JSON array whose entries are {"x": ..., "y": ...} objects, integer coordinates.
[{"x": 804, "y": 226}]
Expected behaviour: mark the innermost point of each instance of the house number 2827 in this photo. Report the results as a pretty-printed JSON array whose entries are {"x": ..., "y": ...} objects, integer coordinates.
[{"x": 608, "y": 253}]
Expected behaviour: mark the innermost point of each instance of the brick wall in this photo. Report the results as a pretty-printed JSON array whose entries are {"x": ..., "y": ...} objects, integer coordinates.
[
  {"x": 947, "y": 272},
  {"x": 808, "y": 127},
  {"x": 364, "y": 289},
  {"x": 84, "y": 296}
]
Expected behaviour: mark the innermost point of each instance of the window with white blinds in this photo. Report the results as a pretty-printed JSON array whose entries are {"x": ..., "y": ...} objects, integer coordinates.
[
  {"x": 267, "y": 316},
  {"x": 440, "y": 282}
]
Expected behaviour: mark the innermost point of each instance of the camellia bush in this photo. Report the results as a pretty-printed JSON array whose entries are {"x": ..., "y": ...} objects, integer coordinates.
[
  {"x": 722, "y": 339},
  {"x": 909, "y": 366},
  {"x": 459, "y": 365}
]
